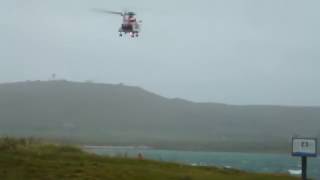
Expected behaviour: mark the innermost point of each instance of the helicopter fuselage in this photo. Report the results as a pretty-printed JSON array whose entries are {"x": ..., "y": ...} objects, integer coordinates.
[{"x": 129, "y": 25}]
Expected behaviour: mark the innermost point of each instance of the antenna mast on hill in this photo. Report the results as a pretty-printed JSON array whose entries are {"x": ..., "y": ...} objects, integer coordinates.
[{"x": 53, "y": 76}]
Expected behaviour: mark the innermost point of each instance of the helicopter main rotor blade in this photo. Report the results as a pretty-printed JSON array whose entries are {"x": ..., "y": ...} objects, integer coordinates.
[{"x": 108, "y": 12}]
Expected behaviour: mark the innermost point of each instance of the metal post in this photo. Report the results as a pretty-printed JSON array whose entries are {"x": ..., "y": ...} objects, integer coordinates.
[{"x": 304, "y": 167}]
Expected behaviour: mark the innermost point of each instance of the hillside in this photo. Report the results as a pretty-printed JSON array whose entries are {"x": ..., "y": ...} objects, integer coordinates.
[
  {"x": 21, "y": 160},
  {"x": 119, "y": 114}
]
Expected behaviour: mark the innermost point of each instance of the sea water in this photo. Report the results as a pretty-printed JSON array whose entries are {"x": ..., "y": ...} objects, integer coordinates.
[{"x": 252, "y": 162}]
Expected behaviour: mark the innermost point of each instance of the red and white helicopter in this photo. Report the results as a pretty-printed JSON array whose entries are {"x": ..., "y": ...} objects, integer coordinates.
[{"x": 130, "y": 25}]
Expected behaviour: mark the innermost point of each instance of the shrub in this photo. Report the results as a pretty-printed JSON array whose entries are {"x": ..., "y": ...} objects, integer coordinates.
[{"x": 14, "y": 144}]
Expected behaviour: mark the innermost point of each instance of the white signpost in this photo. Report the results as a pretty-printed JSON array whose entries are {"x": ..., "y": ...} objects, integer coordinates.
[{"x": 304, "y": 147}]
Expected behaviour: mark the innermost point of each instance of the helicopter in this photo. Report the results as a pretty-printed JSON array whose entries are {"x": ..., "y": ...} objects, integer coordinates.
[{"x": 129, "y": 25}]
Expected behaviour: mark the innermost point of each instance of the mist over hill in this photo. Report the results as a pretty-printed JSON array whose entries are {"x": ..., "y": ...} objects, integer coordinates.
[{"x": 117, "y": 114}]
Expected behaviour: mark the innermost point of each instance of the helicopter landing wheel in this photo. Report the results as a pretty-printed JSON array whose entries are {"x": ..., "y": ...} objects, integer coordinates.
[
  {"x": 120, "y": 34},
  {"x": 137, "y": 35}
]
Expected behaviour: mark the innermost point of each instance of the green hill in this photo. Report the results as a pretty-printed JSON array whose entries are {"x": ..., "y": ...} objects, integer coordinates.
[
  {"x": 119, "y": 114},
  {"x": 20, "y": 159}
]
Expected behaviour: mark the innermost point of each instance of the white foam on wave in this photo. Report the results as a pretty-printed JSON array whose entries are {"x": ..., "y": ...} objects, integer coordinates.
[{"x": 294, "y": 172}]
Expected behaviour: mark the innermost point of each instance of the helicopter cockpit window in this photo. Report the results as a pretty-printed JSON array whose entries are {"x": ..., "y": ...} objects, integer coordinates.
[{"x": 131, "y": 14}]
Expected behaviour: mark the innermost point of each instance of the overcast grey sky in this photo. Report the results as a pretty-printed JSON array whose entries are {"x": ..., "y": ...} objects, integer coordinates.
[{"x": 229, "y": 51}]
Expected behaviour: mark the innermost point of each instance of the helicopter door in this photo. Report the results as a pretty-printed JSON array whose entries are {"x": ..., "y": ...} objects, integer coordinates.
[{"x": 127, "y": 27}]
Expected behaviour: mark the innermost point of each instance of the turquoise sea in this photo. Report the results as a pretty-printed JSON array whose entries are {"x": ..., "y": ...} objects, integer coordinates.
[{"x": 253, "y": 162}]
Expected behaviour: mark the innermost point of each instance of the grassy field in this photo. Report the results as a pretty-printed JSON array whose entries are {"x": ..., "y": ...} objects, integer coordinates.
[{"x": 24, "y": 159}]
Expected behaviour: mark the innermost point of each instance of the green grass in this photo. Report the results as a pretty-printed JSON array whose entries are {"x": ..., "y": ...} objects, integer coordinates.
[{"x": 23, "y": 159}]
